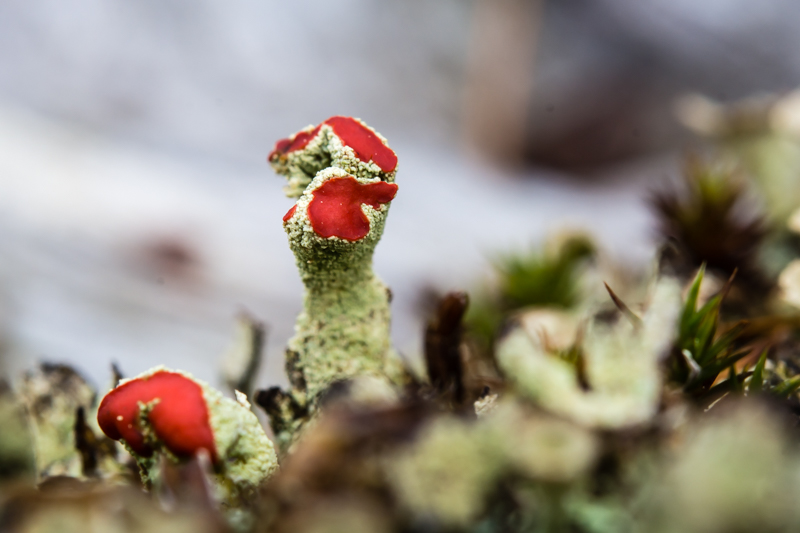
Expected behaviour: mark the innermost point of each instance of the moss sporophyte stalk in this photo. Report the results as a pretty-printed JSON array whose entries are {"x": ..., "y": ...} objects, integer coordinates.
[{"x": 342, "y": 173}]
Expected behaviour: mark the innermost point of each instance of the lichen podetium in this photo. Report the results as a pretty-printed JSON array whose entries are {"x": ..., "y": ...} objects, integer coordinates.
[
  {"x": 342, "y": 173},
  {"x": 170, "y": 413}
]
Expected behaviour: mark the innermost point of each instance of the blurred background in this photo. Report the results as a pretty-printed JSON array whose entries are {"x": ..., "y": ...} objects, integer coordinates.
[{"x": 138, "y": 215}]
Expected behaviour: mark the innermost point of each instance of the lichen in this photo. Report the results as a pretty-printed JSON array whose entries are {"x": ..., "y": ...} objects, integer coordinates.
[
  {"x": 324, "y": 149},
  {"x": 737, "y": 471},
  {"x": 52, "y": 395},
  {"x": 789, "y": 279},
  {"x": 541, "y": 447},
  {"x": 16, "y": 454},
  {"x": 447, "y": 474},
  {"x": 622, "y": 366},
  {"x": 245, "y": 456},
  {"x": 344, "y": 328},
  {"x": 452, "y": 469},
  {"x": 486, "y": 405}
]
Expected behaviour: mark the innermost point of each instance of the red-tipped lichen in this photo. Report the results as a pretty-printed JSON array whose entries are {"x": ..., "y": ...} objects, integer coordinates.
[
  {"x": 367, "y": 146},
  {"x": 290, "y": 213},
  {"x": 336, "y": 211},
  {"x": 364, "y": 142},
  {"x": 298, "y": 141},
  {"x": 179, "y": 414}
]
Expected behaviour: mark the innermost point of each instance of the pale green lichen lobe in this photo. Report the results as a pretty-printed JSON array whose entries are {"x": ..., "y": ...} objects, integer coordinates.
[
  {"x": 52, "y": 395},
  {"x": 622, "y": 366},
  {"x": 246, "y": 454},
  {"x": 454, "y": 465}
]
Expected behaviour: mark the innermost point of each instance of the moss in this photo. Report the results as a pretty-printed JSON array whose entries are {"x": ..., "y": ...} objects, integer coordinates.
[{"x": 549, "y": 277}]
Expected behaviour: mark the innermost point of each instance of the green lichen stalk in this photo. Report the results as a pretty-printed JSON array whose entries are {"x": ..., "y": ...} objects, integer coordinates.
[{"x": 343, "y": 331}]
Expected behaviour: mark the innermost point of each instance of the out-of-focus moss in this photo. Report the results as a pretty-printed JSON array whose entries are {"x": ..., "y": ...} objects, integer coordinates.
[
  {"x": 539, "y": 278},
  {"x": 709, "y": 221},
  {"x": 547, "y": 278}
]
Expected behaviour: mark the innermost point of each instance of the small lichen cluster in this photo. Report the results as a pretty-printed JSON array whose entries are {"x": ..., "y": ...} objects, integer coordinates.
[
  {"x": 621, "y": 365},
  {"x": 52, "y": 396},
  {"x": 242, "y": 454},
  {"x": 454, "y": 465},
  {"x": 737, "y": 472}
]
